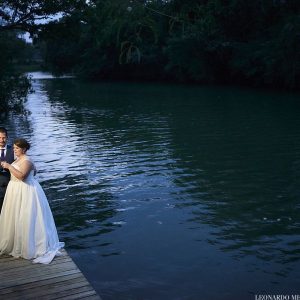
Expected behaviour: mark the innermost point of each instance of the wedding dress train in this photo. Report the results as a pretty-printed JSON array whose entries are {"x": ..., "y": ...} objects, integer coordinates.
[{"x": 27, "y": 227}]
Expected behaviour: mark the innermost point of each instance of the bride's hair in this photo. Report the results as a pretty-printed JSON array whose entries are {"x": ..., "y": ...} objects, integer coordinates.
[{"x": 22, "y": 143}]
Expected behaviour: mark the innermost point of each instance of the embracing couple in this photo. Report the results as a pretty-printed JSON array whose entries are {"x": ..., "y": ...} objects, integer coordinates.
[{"x": 27, "y": 227}]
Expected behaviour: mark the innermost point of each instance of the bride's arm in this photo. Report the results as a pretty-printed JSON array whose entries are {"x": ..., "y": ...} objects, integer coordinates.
[{"x": 21, "y": 174}]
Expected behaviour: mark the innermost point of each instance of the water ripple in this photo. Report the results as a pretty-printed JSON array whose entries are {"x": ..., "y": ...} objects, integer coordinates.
[{"x": 172, "y": 182}]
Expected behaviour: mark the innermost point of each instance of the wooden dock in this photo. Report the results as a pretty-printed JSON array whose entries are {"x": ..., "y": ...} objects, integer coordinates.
[{"x": 21, "y": 279}]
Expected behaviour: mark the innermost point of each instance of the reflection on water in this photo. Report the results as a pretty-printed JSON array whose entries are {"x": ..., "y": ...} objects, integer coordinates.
[{"x": 164, "y": 192}]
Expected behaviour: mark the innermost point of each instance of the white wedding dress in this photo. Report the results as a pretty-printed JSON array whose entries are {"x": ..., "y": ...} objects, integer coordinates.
[{"x": 27, "y": 227}]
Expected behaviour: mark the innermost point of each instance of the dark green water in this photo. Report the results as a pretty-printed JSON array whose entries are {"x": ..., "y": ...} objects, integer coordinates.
[{"x": 171, "y": 192}]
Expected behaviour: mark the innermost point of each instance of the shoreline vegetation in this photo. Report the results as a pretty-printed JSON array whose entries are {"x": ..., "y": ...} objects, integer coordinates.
[{"x": 207, "y": 42}]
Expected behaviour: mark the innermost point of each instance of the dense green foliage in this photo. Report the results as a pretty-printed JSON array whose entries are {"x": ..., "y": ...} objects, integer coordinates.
[
  {"x": 13, "y": 85},
  {"x": 111, "y": 39},
  {"x": 26, "y": 15},
  {"x": 16, "y": 17},
  {"x": 254, "y": 42}
]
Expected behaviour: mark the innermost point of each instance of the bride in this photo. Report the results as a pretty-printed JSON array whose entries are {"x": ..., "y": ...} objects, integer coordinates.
[{"x": 27, "y": 227}]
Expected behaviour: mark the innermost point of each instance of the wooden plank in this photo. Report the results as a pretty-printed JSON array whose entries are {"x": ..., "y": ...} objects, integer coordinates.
[
  {"x": 78, "y": 295},
  {"x": 12, "y": 262},
  {"x": 21, "y": 279},
  {"x": 73, "y": 293},
  {"x": 35, "y": 268},
  {"x": 53, "y": 290},
  {"x": 40, "y": 284}
]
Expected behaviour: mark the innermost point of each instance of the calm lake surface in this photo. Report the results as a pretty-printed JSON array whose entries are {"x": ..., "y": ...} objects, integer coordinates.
[{"x": 171, "y": 192}]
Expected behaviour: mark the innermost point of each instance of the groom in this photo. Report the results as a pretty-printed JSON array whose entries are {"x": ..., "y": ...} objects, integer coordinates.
[{"x": 6, "y": 154}]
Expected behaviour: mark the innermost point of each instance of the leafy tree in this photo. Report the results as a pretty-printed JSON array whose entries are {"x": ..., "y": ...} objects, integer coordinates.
[
  {"x": 254, "y": 42},
  {"x": 61, "y": 49},
  {"x": 111, "y": 39},
  {"x": 23, "y": 16},
  {"x": 13, "y": 86},
  {"x": 27, "y": 15}
]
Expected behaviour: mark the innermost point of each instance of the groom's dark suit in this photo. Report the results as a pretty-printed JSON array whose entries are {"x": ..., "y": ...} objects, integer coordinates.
[{"x": 5, "y": 176}]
